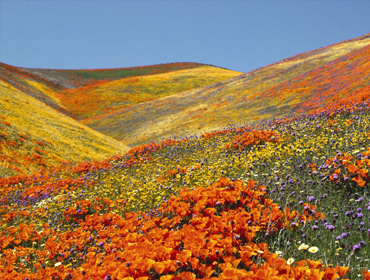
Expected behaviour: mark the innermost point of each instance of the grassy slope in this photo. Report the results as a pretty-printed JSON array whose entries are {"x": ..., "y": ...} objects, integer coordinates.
[
  {"x": 272, "y": 91},
  {"x": 110, "y": 96},
  {"x": 34, "y": 136}
]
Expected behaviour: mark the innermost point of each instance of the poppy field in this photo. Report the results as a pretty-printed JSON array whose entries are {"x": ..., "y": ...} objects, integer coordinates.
[
  {"x": 279, "y": 190},
  {"x": 287, "y": 199},
  {"x": 108, "y": 96},
  {"x": 293, "y": 85}
]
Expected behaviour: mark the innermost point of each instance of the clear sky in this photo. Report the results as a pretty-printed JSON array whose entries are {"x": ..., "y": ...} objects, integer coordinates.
[{"x": 238, "y": 35}]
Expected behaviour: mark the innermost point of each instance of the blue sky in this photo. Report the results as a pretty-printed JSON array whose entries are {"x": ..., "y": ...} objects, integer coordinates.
[{"x": 238, "y": 35}]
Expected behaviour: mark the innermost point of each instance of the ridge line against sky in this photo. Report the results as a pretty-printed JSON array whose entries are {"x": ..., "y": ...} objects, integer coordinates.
[{"x": 237, "y": 35}]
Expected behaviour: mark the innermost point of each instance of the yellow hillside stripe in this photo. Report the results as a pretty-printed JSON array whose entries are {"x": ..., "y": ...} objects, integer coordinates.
[{"x": 71, "y": 140}]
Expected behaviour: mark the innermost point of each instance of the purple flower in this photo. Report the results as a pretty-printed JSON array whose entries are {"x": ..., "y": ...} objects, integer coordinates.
[
  {"x": 301, "y": 202},
  {"x": 315, "y": 227},
  {"x": 101, "y": 244},
  {"x": 310, "y": 198},
  {"x": 330, "y": 227},
  {"x": 344, "y": 235},
  {"x": 338, "y": 237},
  {"x": 358, "y": 210},
  {"x": 356, "y": 248},
  {"x": 360, "y": 199},
  {"x": 360, "y": 215}
]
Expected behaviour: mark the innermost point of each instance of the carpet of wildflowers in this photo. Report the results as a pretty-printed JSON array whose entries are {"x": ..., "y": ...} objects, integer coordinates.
[
  {"x": 287, "y": 199},
  {"x": 293, "y": 85},
  {"x": 109, "y": 96},
  {"x": 33, "y": 136}
]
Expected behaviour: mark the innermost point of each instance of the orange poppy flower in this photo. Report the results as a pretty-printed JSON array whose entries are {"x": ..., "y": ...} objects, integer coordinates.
[
  {"x": 352, "y": 168},
  {"x": 359, "y": 181},
  {"x": 366, "y": 274},
  {"x": 167, "y": 277},
  {"x": 342, "y": 270},
  {"x": 364, "y": 173}
]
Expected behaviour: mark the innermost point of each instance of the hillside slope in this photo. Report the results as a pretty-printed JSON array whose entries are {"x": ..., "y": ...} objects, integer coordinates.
[
  {"x": 288, "y": 199},
  {"x": 302, "y": 82},
  {"x": 42, "y": 88},
  {"x": 34, "y": 136},
  {"x": 282, "y": 199},
  {"x": 86, "y": 93},
  {"x": 38, "y": 107},
  {"x": 108, "y": 96}
]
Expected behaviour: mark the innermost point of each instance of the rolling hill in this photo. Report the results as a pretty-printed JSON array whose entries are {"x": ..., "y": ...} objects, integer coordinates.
[
  {"x": 283, "y": 197},
  {"x": 44, "y": 104},
  {"x": 34, "y": 136},
  {"x": 303, "y": 82},
  {"x": 89, "y": 101}
]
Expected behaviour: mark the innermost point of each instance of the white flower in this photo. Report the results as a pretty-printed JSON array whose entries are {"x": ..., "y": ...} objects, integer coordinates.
[
  {"x": 278, "y": 252},
  {"x": 58, "y": 264},
  {"x": 290, "y": 261},
  {"x": 303, "y": 247},
  {"x": 313, "y": 250}
]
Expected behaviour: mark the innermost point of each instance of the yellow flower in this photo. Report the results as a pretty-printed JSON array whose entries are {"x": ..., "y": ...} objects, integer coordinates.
[
  {"x": 290, "y": 261},
  {"x": 313, "y": 250},
  {"x": 278, "y": 252}
]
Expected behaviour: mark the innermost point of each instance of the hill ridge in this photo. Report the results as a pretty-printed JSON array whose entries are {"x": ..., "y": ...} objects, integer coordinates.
[{"x": 228, "y": 101}]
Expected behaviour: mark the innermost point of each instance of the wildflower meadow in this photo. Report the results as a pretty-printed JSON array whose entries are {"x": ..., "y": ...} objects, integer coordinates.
[
  {"x": 283, "y": 198},
  {"x": 287, "y": 199}
]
